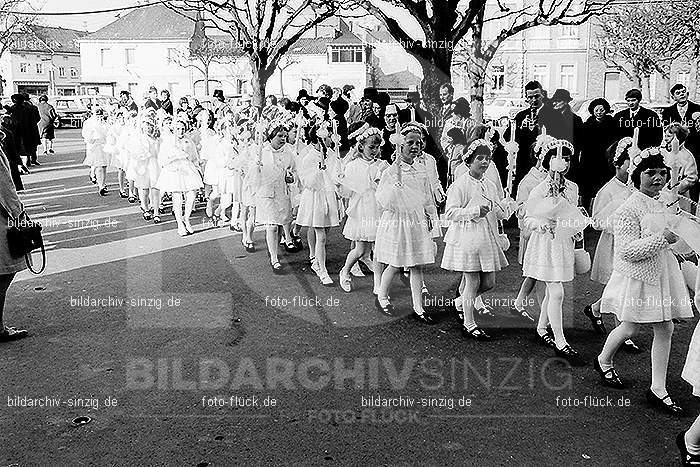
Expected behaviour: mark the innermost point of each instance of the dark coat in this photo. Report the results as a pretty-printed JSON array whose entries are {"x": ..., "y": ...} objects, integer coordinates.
[
  {"x": 167, "y": 105},
  {"x": 595, "y": 169},
  {"x": 670, "y": 114},
  {"x": 526, "y": 137},
  {"x": 649, "y": 125}
]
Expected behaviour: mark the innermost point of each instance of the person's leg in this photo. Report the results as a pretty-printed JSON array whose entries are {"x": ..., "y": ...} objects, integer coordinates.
[
  {"x": 320, "y": 249},
  {"x": 543, "y": 320},
  {"x": 311, "y": 240},
  {"x": 555, "y": 301},
  {"x": 225, "y": 200},
  {"x": 210, "y": 201},
  {"x": 271, "y": 237},
  {"x": 416, "y": 279},
  {"x": 471, "y": 281},
  {"x": 660, "y": 351},
  {"x": 45, "y": 142},
  {"x": 378, "y": 271},
  {"x": 353, "y": 256},
  {"x": 177, "y": 209},
  {"x": 101, "y": 173},
  {"x": 385, "y": 285},
  {"x": 189, "y": 207},
  {"x": 616, "y": 337},
  {"x": 51, "y": 145},
  {"x": 121, "y": 179},
  {"x": 692, "y": 438},
  {"x": 5, "y": 280},
  {"x": 250, "y": 222},
  {"x": 144, "y": 198},
  {"x": 526, "y": 288}
]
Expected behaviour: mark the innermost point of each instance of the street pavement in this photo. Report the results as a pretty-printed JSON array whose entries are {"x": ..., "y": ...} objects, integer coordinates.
[{"x": 189, "y": 351}]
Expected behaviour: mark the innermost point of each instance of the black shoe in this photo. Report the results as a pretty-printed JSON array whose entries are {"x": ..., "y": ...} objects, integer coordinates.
[
  {"x": 687, "y": 459},
  {"x": 671, "y": 408},
  {"x": 424, "y": 317},
  {"x": 147, "y": 215},
  {"x": 297, "y": 242},
  {"x": 547, "y": 339},
  {"x": 631, "y": 347},
  {"x": 609, "y": 377},
  {"x": 92, "y": 178},
  {"x": 387, "y": 310},
  {"x": 249, "y": 247},
  {"x": 486, "y": 312},
  {"x": 132, "y": 199},
  {"x": 515, "y": 313},
  {"x": 596, "y": 321},
  {"x": 277, "y": 268},
  {"x": 290, "y": 247},
  {"x": 570, "y": 355},
  {"x": 103, "y": 192},
  {"x": 35, "y": 163},
  {"x": 476, "y": 334},
  {"x": 123, "y": 194}
]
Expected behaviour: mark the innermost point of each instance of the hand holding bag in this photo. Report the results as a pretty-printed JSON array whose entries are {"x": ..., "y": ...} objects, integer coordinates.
[
  {"x": 582, "y": 259},
  {"x": 23, "y": 237}
]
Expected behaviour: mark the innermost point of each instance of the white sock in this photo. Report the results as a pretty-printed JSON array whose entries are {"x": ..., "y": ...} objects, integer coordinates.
[
  {"x": 604, "y": 366},
  {"x": 479, "y": 303}
]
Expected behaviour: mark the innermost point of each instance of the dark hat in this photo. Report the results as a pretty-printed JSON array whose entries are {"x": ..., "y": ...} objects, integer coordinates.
[
  {"x": 561, "y": 95},
  {"x": 462, "y": 107},
  {"x": 412, "y": 96},
  {"x": 596, "y": 102},
  {"x": 17, "y": 98},
  {"x": 347, "y": 88},
  {"x": 304, "y": 93},
  {"x": 292, "y": 106},
  {"x": 218, "y": 93},
  {"x": 152, "y": 88},
  {"x": 370, "y": 94},
  {"x": 339, "y": 106},
  {"x": 383, "y": 99}
]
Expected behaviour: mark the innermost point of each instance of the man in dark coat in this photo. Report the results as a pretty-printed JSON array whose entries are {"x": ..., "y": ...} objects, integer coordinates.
[
  {"x": 126, "y": 102},
  {"x": 682, "y": 111},
  {"x": 599, "y": 133},
  {"x": 152, "y": 102},
  {"x": 528, "y": 126},
  {"x": 166, "y": 103},
  {"x": 32, "y": 131},
  {"x": 27, "y": 134},
  {"x": 649, "y": 123},
  {"x": 11, "y": 149},
  {"x": 568, "y": 126}
]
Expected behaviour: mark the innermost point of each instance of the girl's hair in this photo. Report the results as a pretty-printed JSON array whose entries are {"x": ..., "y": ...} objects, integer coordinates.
[
  {"x": 679, "y": 130},
  {"x": 480, "y": 149},
  {"x": 311, "y": 132},
  {"x": 274, "y": 129},
  {"x": 457, "y": 135},
  {"x": 184, "y": 123},
  {"x": 655, "y": 161},
  {"x": 552, "y": 153},
  {"x": 353, "y": 129},
  {"x": 413, "y": 127}
]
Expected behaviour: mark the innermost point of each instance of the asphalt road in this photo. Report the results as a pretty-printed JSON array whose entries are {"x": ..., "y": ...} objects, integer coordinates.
[{"x": 188, "y": 351}]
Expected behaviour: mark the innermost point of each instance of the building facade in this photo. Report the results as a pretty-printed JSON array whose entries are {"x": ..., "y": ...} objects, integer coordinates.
[{"x": 42, "y": 60}]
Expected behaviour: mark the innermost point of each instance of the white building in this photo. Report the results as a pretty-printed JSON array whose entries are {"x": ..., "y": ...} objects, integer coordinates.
[
  {"x": 151, "y": 46},
  {"x": 42, "y": 60}
]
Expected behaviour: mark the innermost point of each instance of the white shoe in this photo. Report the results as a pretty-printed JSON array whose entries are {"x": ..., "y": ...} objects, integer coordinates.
[
  {"x": 458, "y": 303},
  {"x": 314, "y": 266},
  {"x": 345, "y": 282},
  {"x": 356, "y": 271},
  {"x": 326, "y": 279}
]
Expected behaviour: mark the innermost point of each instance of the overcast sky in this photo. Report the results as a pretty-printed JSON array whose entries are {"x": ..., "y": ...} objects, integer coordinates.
[{"x": 82, "y": 22}]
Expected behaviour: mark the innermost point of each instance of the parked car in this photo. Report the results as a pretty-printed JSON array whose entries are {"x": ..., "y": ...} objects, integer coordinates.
[
  {"x": 501, "y": 108},
  {"x": 72, "y": 110}
]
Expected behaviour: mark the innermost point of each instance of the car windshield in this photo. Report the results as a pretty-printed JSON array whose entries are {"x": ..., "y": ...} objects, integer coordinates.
[{"x": 65, "y": 104}]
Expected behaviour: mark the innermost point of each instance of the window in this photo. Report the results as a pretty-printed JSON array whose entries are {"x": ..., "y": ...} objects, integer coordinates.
[
  {"x": 540, "y": 32},
  {"x": 39, "y": 68},
  {"x": 498, "y": 77},
  {"x": 241, "y": 86},
  {"x": 567, "y": 77},
  {"x": 24, "y": 67},
  {"x": 172, "y": 55},
  {"x": 346, "y": 53},
  {"x": 541, "y": 73},
  {"x": 568, "y": 31},
  {"x": 130, "y": 56},
  {"x": 61, "y": 71},
  {"x": 73, "y": 73},
  {"x": 683, "y": 78},
  {"x": 104, "y": 57},
  {"x": 172, "y": 87},
  {"x": 307, "y": 84},
  {"x": 465, "y": 81},
  {"x": 132, "y": 88}
]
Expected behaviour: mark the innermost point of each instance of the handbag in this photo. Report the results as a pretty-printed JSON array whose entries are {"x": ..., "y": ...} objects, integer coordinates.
[
  {"x": 582, "y": 259},
  {"x": 502, "y": 239},
  {"x": 23, "y": 237}
]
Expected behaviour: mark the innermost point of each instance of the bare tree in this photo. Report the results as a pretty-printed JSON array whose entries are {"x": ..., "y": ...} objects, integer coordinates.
[
  {"x": 444, "y": 23},
  {"x": 11, "y": 25},
  {"x": 644, "y": 39},
  {"x": 477, "y": 50},
  {"x": 264, "y": 30},
  {"x": 283, "y": 64}
]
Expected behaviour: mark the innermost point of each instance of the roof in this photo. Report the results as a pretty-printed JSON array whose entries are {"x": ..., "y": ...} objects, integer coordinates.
[
  {"x": 156, "y": 22},
  {"x": 347, "y": 37},
  {"x": 47, "y": 39},
  {"x": 399, "y": 80}
]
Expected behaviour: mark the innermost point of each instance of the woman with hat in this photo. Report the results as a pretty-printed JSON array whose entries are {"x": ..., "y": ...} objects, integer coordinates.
[
  {"x": 566, "y": 125},
  {"x": 599, "y": 134},
  {"x": 303, "y": 97}
]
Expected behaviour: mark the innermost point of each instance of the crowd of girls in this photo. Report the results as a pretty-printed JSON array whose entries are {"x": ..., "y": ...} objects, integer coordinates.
[{"x": 288, "y": 174}]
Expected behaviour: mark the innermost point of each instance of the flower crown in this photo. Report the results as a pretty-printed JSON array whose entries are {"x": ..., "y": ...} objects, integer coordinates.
[
  {"x": 475, "y": 144},
  {"x": 556, "y": 143},
  {"x": 541, "y": 142},
  {"x": 636, "y": 160},
  {"x": 624, "y": 144},
  {"x": 359, "y": 131},
  {"x": 371, "y": 131},
  {"x": 412, "y": 126}
]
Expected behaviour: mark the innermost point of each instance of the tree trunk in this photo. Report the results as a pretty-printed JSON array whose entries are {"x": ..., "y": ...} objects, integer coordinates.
[
  {"x": 436, "y": 72},
  {"x": 477, "y": 84},
  {"x": 258, "y": 82},
  {"x": 281, "y": 85},
  {"x": 666, "y": 84},
  {"x": 646, "y": 92},
  {"x": 2, "y": 87},
  {"x": 206, "y": 80}
]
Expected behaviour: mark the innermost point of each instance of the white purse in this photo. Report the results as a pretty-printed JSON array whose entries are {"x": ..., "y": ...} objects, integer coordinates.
[{"x": 582, "y": 259}]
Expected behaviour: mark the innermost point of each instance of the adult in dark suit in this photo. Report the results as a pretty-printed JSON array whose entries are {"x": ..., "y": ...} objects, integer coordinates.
[
  {"x": 528, "y": 125},
  {"x": 683, "y": 109},
  {"x": 126, "y": 102},
  {"x": 166, "y": 103},
  {"x": 11, "y": 148},
  {"x": 152, "y": 102},
  {"x": 599, "y": 133},
  {"x": 414, "y": 112},
  {"x": 568, "y": 126},
  {"x": 649, "y": 123}
]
